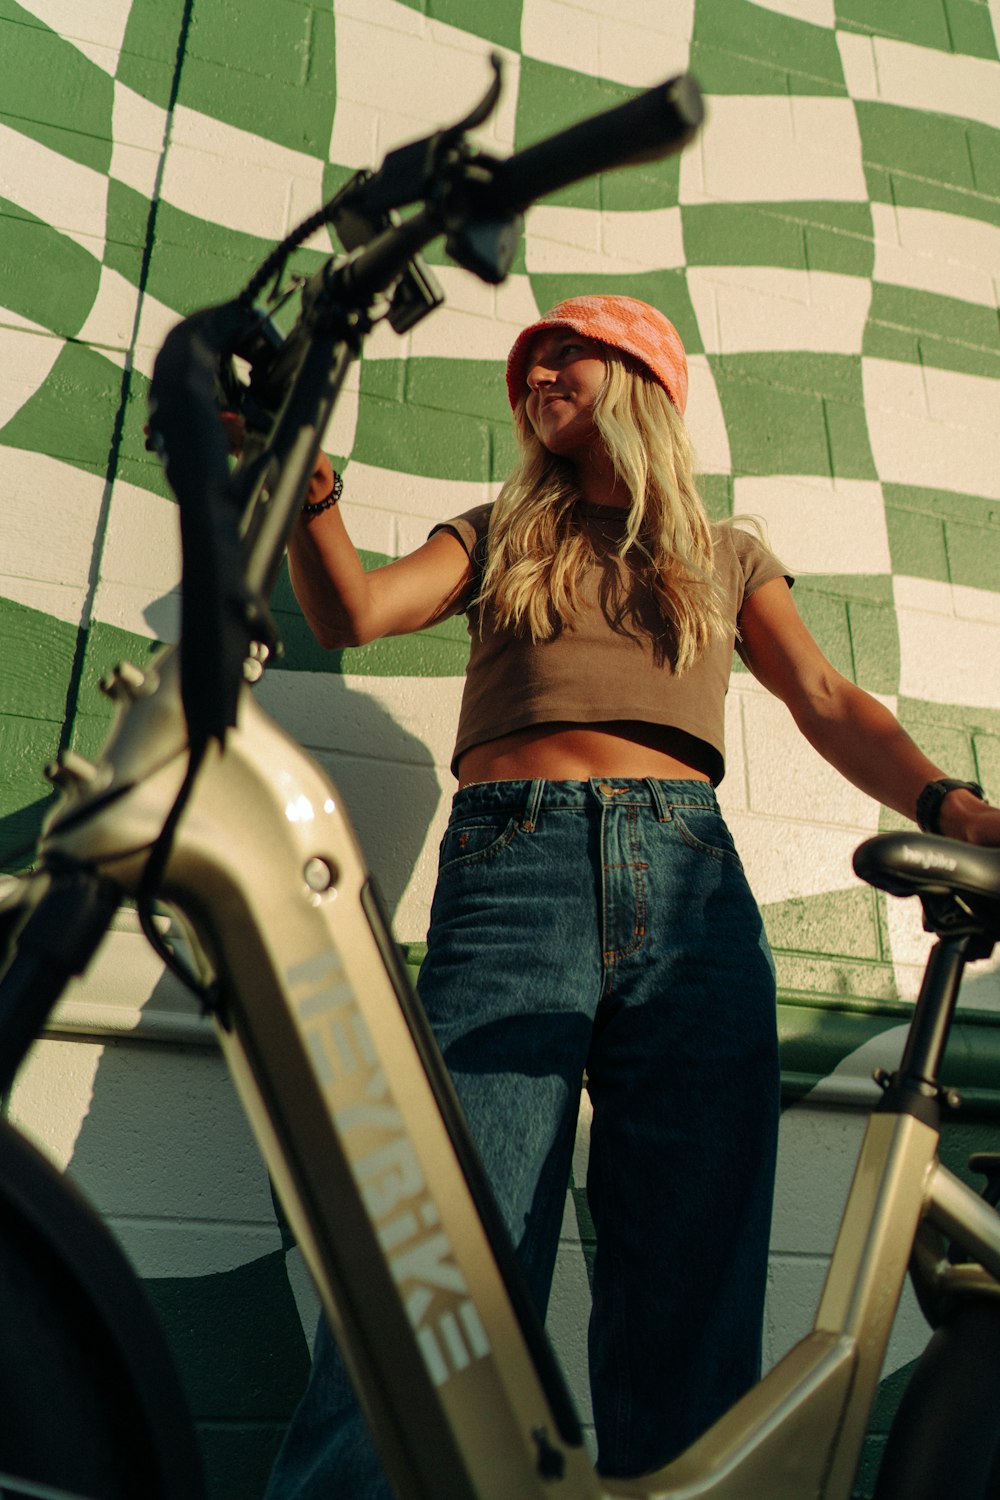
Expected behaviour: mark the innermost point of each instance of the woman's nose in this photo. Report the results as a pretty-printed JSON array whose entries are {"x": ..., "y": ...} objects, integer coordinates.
[{"x": 539, "y": 374}]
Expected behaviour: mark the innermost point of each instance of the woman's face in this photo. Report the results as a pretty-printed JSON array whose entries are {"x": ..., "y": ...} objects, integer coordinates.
[{"x": 565, "y": 372}]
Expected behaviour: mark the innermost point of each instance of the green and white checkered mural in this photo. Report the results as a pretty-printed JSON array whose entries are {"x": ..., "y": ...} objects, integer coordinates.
[{"x": 830, "y": 251}]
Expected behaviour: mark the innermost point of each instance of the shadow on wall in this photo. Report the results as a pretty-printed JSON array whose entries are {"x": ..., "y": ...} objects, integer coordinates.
[{"x": 20, "y": 831}]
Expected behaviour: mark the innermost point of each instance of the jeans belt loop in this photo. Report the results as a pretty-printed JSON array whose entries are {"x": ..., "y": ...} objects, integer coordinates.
[
  {"x": 531, "y": 807},
  {"x": 663, "y": 810}
]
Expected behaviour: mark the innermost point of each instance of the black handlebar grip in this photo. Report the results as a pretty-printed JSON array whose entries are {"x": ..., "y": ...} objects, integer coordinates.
[{"x": 652, "y": 125}]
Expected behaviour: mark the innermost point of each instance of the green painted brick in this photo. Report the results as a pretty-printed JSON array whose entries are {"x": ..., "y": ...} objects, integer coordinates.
[
  {"x": 833, "y": 237},
  {"x": 826, "y": 617},
  {"x": 473, "y": 386},
  {"x": 642, "y": 186},
  {"x": 954, "y": 715},
  {"x": 838, "y": 922},
  {"x": 947, "y": 740},
  {"x": 127, "y": 231},
  {"x": 920, "y": 160},
  {"x": 236, "y": 1339},
  {"x": 72, "y": 112},
  {"x": 549, "y": 98},
  {"x": 421, "y": 441},
  {"x": 864, "y": 588},
  {"x": 738, "y": 49},
  {"x": 194, "y": 262},
  {"x": 923, "y": 328},
  {"x": 716, "y": 491},
  {"x": 503, "y": 451},
  {"x": 237, "y": 1457},
  {"x": 153, "y": 40},
  {"x": 922, "y": 22},
  {"x": 805, "y": 976},
  {"x": 794, "y": 413},
  {"x": 384, "y": 379},
  {"x": 72, "y": 414},
  {"x": 970, "y": 28},
  {"x": 424, "y": 654},
  {"x": 949, "y": 505},
  {"x": 839, "y": 238},
  {"x": 270, "y": 71},
  {"x": 916, "y": 544},
  {"x": 105, "y": 646},
  {"x": 973, "y": 554},
  {"x": 26, "y": 747},
  {"x": 983, "y": 144},
  {"x": 134, "y": 463},
  {"x": 441, "y": 651},
  {"x": 62, "y": 298},
  {"x": 38, "y": 655},
  {"x": 500, "y": 23},
  {"x": 875, "y": 644},
  {"x": 743, "y": 234},
  {"x": 986, "y": 749}
]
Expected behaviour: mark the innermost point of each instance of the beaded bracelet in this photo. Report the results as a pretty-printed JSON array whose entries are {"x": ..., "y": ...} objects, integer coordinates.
[{"x": 328, "y": 502}]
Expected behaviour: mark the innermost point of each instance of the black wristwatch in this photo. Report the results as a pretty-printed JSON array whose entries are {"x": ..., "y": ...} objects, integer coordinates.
[{"x": 933, "y": 794}]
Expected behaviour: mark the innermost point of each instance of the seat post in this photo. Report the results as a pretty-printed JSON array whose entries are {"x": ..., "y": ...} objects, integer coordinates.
[{"x": 932, "y": 1018}]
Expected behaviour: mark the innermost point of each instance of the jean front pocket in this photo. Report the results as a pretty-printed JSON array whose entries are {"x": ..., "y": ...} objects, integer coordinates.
[
  {"x": 705, "y": 829},
  {"x": 474, "y": 839}
]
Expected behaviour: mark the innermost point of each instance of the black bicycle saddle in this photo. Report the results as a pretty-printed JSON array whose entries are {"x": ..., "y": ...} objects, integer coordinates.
[{"x": 942, "y": 872}]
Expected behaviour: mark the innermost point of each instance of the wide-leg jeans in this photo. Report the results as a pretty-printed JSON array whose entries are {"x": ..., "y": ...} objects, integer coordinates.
[{"x": 602, "y": 929}]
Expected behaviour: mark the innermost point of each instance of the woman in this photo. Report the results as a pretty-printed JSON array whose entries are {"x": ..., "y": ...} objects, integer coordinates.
[{"x": 591, "y": 914}]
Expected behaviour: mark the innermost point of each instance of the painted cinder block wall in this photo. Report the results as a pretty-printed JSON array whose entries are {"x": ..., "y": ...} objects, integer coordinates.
[{"x": 829, "y": 250}]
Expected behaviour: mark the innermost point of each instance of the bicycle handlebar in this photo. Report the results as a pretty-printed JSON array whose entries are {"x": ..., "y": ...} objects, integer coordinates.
[{"x": 652, "y": 125}]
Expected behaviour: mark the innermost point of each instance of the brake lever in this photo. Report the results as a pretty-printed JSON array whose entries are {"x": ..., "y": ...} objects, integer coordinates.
[{"x": 408, "y": 173}]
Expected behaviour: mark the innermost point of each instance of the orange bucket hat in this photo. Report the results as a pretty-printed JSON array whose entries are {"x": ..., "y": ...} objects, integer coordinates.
[{"x": 623, "y": 323}]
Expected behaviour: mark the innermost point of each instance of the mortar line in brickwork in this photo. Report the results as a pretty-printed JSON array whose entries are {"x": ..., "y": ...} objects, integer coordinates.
[{"x": 125, "y": 390}]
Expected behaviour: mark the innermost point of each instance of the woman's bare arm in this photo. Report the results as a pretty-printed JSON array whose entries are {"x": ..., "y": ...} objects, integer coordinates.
[
  {"x": 347, "y": 606},
  {"x": 849, "y": 728}
]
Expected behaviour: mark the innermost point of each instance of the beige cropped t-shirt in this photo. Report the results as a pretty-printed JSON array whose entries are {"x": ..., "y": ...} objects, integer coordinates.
[{"x": 613, "y": 660}]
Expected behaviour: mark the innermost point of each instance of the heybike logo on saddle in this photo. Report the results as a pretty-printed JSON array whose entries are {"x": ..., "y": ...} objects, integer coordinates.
[
  {"x": 928, "y": 859},
  {"x": 420, "y": 1255}
]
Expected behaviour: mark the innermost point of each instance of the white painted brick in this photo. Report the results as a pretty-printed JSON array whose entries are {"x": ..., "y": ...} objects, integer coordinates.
[
  {"x": 815, "y": 12},
  {"x": 26, "y": 360},
  {"x": 219, "y": 172},
  {"x": 587, "y": 242},
  {"x": 817, "y": 524},
  {"x": 750, "y": 308},
  {"x": 71, "y": 197},
  {"x": 425, "y": 75},
  {"x": 705, "y": 421},
  {"x": 642, "y": 46},
  {"x": 785, "y": 858},
  {"x": 36, "y": 490},
  {"x": 921, "y": 78},
  {"x": 929, "y": 636},
  {"x": 934, "y": 428},
  {"x": 112, "y": 317},
  {"x": 766, "y": 149},
  {"x": 930, "y": 251},
  {"x": 787, "y": 777}
]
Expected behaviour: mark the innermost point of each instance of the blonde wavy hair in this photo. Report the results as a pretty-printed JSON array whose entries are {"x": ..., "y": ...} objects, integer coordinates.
[{"x": 536, "y": 557}]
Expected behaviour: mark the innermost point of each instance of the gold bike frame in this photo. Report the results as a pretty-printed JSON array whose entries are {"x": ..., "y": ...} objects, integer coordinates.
[{"x": 348, "y": 1100}]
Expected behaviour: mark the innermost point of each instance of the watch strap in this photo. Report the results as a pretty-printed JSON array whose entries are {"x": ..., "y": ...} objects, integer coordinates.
[{"x": 930, "y": 800}]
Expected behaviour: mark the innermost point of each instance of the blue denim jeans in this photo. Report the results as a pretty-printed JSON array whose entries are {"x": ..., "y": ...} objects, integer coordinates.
[{"x": 602, "y": 928}]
